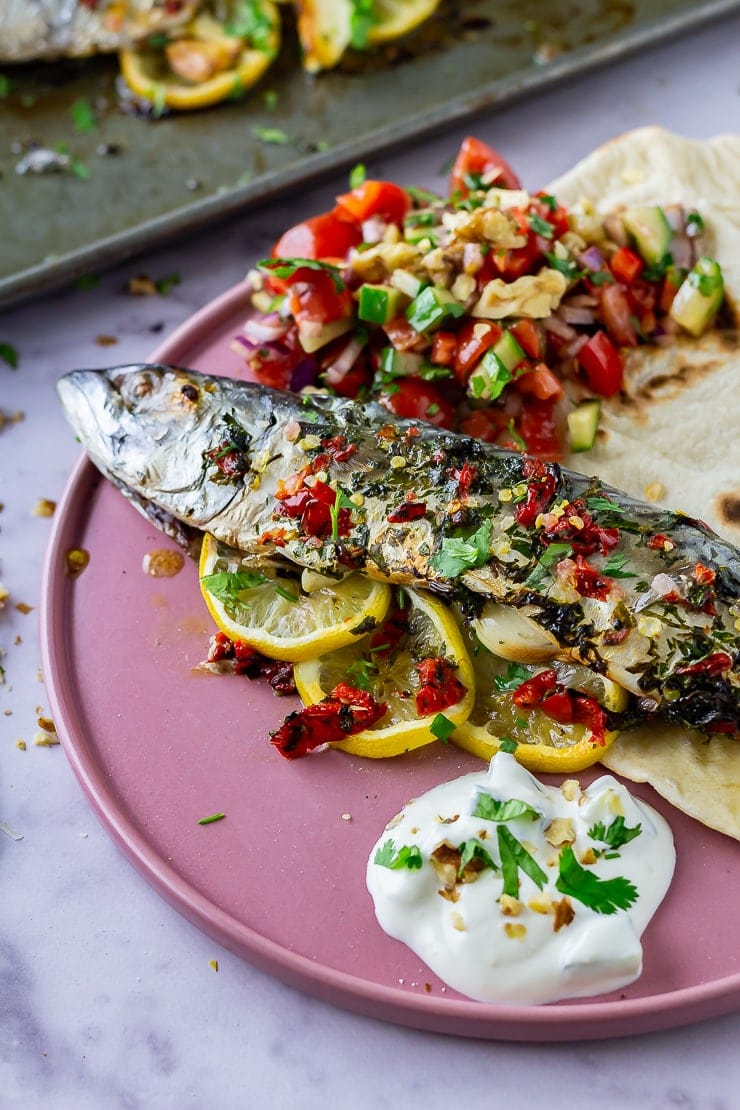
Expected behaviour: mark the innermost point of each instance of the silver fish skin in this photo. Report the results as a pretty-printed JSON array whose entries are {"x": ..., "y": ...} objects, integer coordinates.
[
  {"x": 47, "y": 29},
  {"x": 418, "y": 506}
]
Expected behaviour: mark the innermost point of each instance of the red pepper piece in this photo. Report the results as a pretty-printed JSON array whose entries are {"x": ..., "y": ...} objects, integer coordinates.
[
  {"x": 659, "y": 542},
  {"x": 717, "y": 663},
  {"x": 408, "y": 510},
  {"x": 343, "y": 712},
  {"x": 339, "y": 449},
  {"x": 439, "y": 687},
  {"x": 541, "y": 486},
  {"x": 626, "y": 265},
  {"x": 534, "y": 690},
  {"x": 559, "y": 706},
  {"x": 385, "y": 641},
  {"x": 705, "y": 576},
  {"x": 588, "y": 581},
  {"x": 465, "y": 476},
  {"x": 588, "y": 712}
]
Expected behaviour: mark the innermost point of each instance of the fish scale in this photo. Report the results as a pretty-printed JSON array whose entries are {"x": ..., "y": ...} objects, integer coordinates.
[{"x": 646, "y": 596}]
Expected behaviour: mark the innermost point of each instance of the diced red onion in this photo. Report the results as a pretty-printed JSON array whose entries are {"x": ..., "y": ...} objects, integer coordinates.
[
  {"x": 572, "y": 314},
  {"x": 675, "y": 215},
  {"x": 305, "y": 373},
  {"x": 682, "y": 251},
  {"x": 559, "y": 328},
  {"x": 570, "y": 350},
  {"x": 265, "y": 329},
  {"x": 591, "y": 258},
  {"x": 344, "y": 362},
  {"x": 472, "y": 258},
  {"x": 615, "y": 229},
  {"x": 663, "y": 584},
  {"x": 582, "y": 300},
  {"x": 373, "y": 229}
]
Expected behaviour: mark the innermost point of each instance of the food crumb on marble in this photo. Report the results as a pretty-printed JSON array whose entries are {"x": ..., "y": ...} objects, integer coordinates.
[
  {"x": 44, "y": 507},
  {"x": 24, "y": 607},
  {"x": 20, "y": 745},
  {"x": 213, "y": 964}
]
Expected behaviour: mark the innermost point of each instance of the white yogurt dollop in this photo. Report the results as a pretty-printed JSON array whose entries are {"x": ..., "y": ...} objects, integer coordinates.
[{"x": 530, "y": 908}]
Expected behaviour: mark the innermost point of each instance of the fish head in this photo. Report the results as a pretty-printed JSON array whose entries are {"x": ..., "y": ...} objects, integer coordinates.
[{"x": 150, "y": 429}]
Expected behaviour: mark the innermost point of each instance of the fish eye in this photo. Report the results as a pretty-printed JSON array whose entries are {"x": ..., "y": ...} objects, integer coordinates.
[{"x": 189, "y": 392}]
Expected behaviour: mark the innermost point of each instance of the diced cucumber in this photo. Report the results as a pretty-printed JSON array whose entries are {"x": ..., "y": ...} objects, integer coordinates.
[
  {"x": 699, "y": 298},
  {"x": 407, "y": 283},
  {"x": 583, "y": 424},
  {"x": 377, "y": 304},
  {"x": 488, "y": 380},
  {"x": 432, "y": 308},
  {"x": 333, "y": 330},
  {"x": 400, "y": 364},
  {"x": 508, "y": 350},
  {"x": 651, "y": 231}
]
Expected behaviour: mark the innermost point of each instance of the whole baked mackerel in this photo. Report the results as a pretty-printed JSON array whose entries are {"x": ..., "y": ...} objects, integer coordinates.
[{"x": 646, "y": 596}]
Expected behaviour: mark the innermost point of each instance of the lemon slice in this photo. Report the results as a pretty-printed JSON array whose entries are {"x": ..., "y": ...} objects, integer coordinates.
[
  {"x": 542, "y": 744},
  {"x": 431, "y": 633},
  {"x": 275, "y": 616},
  {"x": 206, "y": 61},
  {"x": 327, "y": 28}
]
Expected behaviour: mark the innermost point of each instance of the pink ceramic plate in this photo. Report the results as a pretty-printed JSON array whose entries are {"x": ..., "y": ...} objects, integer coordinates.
[{"x": 157, "y": 746}]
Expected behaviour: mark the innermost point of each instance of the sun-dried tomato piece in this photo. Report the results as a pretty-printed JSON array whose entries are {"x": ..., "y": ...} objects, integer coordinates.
[
  {"x": 406, "y": 511},
  {"x": 534, "y": 690},
  {"x": 717, "y": 663},
  {"x": 440, "y": 688},
  {"x": 343, "y": 712}
]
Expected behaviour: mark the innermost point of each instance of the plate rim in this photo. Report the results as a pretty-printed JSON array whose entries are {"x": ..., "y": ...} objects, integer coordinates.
[{"x": 555, "y": 1022}]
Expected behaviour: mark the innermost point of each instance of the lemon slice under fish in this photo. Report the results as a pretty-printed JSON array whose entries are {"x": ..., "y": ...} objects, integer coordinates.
[
  {"x": 327, "y": 28},
  {"x": 206, "y": 61},
  {"x": 431, "y": 633},
  {"x": 542, "y": 744},
  {"x": 274, "y": 615}
]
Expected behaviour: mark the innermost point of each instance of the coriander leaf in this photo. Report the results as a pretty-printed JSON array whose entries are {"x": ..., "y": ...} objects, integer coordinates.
[
  {"x": 604, "y": 503},
  {"x": 6, "y": 86},
  {"x": 271, "y": 99},
  {"x": 9, "y": 354},
  {"x": 407, "y": 856},
  {"x": 602, "y": 895},
  {"x": 615, "y": 835},
  {"x": 79, "y": 170},
  {"x": 457, "y": 554},
  {"x": 552, "y": 554},
  {"x": 357, "y": 176},
  {"x": 515, "y": 857},
  {"x": 491, "y": 809},
  {"x": 694, "y": 224},
  {"x": 286, "y": 268},
  {"x": 506, "y": 744},
  {"x": 250, "y": 21},
  {"x": 273, "y": 136},
  {"x": 227, "y": 585},
  {"x": 615, "y": 564},
  {"x": 83, "y": 116},
  {"x": 540, "y": 226},
  {"x": 514, "y": 676},
  {"x": 442, "y": 727},
  {"x": 163, "y": 285},
  {"x": 473, "y": 849},
  {"x": 549, "y": 200},
  {"x": 566, "y": 266},
  {"x": 361, "y": 673},
  {"x": 213, "y": 817},
  {"x": 600, "y": 277},
  {"x": 362, "y": 19}
]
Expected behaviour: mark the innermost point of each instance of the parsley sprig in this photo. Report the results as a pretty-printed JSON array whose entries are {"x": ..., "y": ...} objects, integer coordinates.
[
  {"x": 458, "y": 554},
  {"x": 286, "y": 267},
  {"x": 408, "y": 855},
  {"x": 516, "y": 858},
  {"x": 601, "y": 895},
  {"x": 616, "y": 834},
  {"x": 512, "y": 809},
  {"x": 226, "y": 586}
]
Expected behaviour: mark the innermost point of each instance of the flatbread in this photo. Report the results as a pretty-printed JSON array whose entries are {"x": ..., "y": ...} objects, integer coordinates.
[{"x": 674, "y": 433}]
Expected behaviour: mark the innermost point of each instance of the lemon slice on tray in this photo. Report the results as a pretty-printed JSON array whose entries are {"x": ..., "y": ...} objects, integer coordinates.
[
  {"x": 410, "y": 663},
  {"x": 328, "y": 28},
  {"x": 541, "y": 743},
  {"x": 207, "y": 60},
  {"x": 267, "y": 608}
]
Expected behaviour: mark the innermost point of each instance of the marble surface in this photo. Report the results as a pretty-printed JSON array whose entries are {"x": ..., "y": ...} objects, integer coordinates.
[{"x": 107, "y": 995}]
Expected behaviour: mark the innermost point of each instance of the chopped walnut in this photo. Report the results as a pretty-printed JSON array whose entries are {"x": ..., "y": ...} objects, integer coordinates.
[
  {"x": 106, "y": 340},
  {"x": 449, "y": 895},
  {"x": 541, "y": 903},
  {"x": 46, "y": 724},
  {"x": 534, "y": 296},
  {"x": 571, "y": 789},
  {"x": 45, "y": 739},
  {"x": 44, "y": 507},
  {"x": 516, "y": 932},
  {"x": 395, "y": 821},
  {"x": 458, "y": 922},
  {"x": 141, "y": 286},
  {"x": 563, "y": 913},
  {"x": 76, "y": 559},
  {"x": 24, "y": 608},
  {"x": 561, "y": 830},
  {"x": 446, "y": 820},
  {"x": 20, "y": 745},
  {"x": 510, "y": 907},
  {"x": 4, "y": 595},
  {"x": 589, "y": 856},
  {"x": 446, "y": 861}
]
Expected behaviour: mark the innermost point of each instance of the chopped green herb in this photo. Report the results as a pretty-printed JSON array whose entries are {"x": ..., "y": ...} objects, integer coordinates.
[
  {"x": 286, "y": 267},
  {"x": 540, "y": 226},
  {"x": 515, "y": 857},
  {"x": 238, "y": 88},
  {"x": 549, "y": 201},
  {"x": 322, "y": 145},
  {"x": 566, "y": 266},
  {"x": 226, "y": 586},
  {"x": 694, "y": 223},
  {"x": 616, "y": 834},
  {"x": 87, "y": 281},
  {"x": 9, "y": 354},
  {"x": 597, "y": 503},
  {"x": 492, "y": 809},
  {"x": 658, "y": 269},
  {"x": 602, "y": 895},
  {"x": 163, "y": 285},
  {"x": 407, "y": 856},
  {"x": 707, "y": 284},
  {"x": 212, "y": 818},
  {"x": 457, "y": 555},
  {"x": 79, "y": 170},
  {"x": 6, "y": 86},
  {"x": 446, "y": 167},
  {"x": 341, "y": 501},
  {"x": 250, "y": 21},
  {"x": 615, "y": 564},
  {"x": 157, "y": 41},
  {"x": 517, "y": 439},
  {"x": 600, "y": 277},
  {"x": 270, "y": 99},
  {"x": 473, "y": 849},
  {"x": 432, "y": 410},
  {"x": 271, "y": 135},
  {"x": 357, "y": 176},
  {"x": 506, "y": 744},
  {"x": 552, "y": 554},
  {"x": 514, "y": 676},
  {"x": 83, "y": 116},
  {"x": 286, "y": 595},
  {"x": 419, "y": 219},
  {"x": 422, "y": 196},
  {"x": 361, "y": 673},
  {"x": 442, "y": 727},
  {"x": 363, "y": 18}
]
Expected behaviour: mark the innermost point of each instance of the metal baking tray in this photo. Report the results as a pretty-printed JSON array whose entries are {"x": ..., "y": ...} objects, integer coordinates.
[{"x": 177, "y": 173}]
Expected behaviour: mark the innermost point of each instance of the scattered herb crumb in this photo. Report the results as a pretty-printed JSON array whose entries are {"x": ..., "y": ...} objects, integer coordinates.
[
  {"x": 87, "y": 281},
  {"x": 106, "y": 340},
  {"x": 9, "y": 355},
  {"x": 24, "y": 608},
  {"x": 44, "y": 507},
  {"x": 273, "y": 136},
  {"x": 210, "y": 820},
  {"x": 83, "y": 116}
]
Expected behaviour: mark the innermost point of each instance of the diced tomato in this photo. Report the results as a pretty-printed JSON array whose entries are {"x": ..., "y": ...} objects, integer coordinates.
[
  {"x": 476, "y": 157},
  {"x": 402, "y": 336},
  {"x": 473, "y": 340},
  {"x": 374, "y": 198},
  {"x": 616, "y": 315},
  {"x": 668, "y": 291},
  {"x": 540, "y": 382},
  {"x": 407, "y": 511},
  {"x": 513, "y": 264},
  {"x": 578, "y": 528},
  {"x": 322, "y": 237},
  {"x": 626, "y": 265},
  {"x": 556, "y": 216},
  {"x": 314, "y": 297},
  {"x": 440, "y": 688},
  {"x": 485, "y": 424},
  {"x": 414, "y": 399},
  {"x": 602, "y": 364},
  {"x": 588, "y": 582},
  {"x": 530, "y": 336},
  {"x": 444, "y": 348},
  {"x": 538, "y": 428},
  {"x": 354, "y": 381}
]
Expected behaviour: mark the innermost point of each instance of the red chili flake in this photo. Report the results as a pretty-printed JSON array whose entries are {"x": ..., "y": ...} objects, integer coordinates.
[
  {"x": 705, "y": 576},
  {"x": 249, "y": 662},
  {"x": 534, "y": 690},
  {"x": 409, "y": 510},
  {"x": 439, "y": 687},
  {"x": 588, "y": 582},
  {"x": 659, "y": 542},
  {"x": 717, "y": 663},
  {"x": 385, "y": 640},
  {"x": 586, "y": 536},
  {"x": 343, "y": 712},
  {"x": 276, "y": 538},
  {"x": 540, "y": 492},
  {"x": 412, "y": 432},
  {"x": 464, "y": 476},
  {"x": 338, "y": 448},
  {"x": 313, "y": 504}
]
